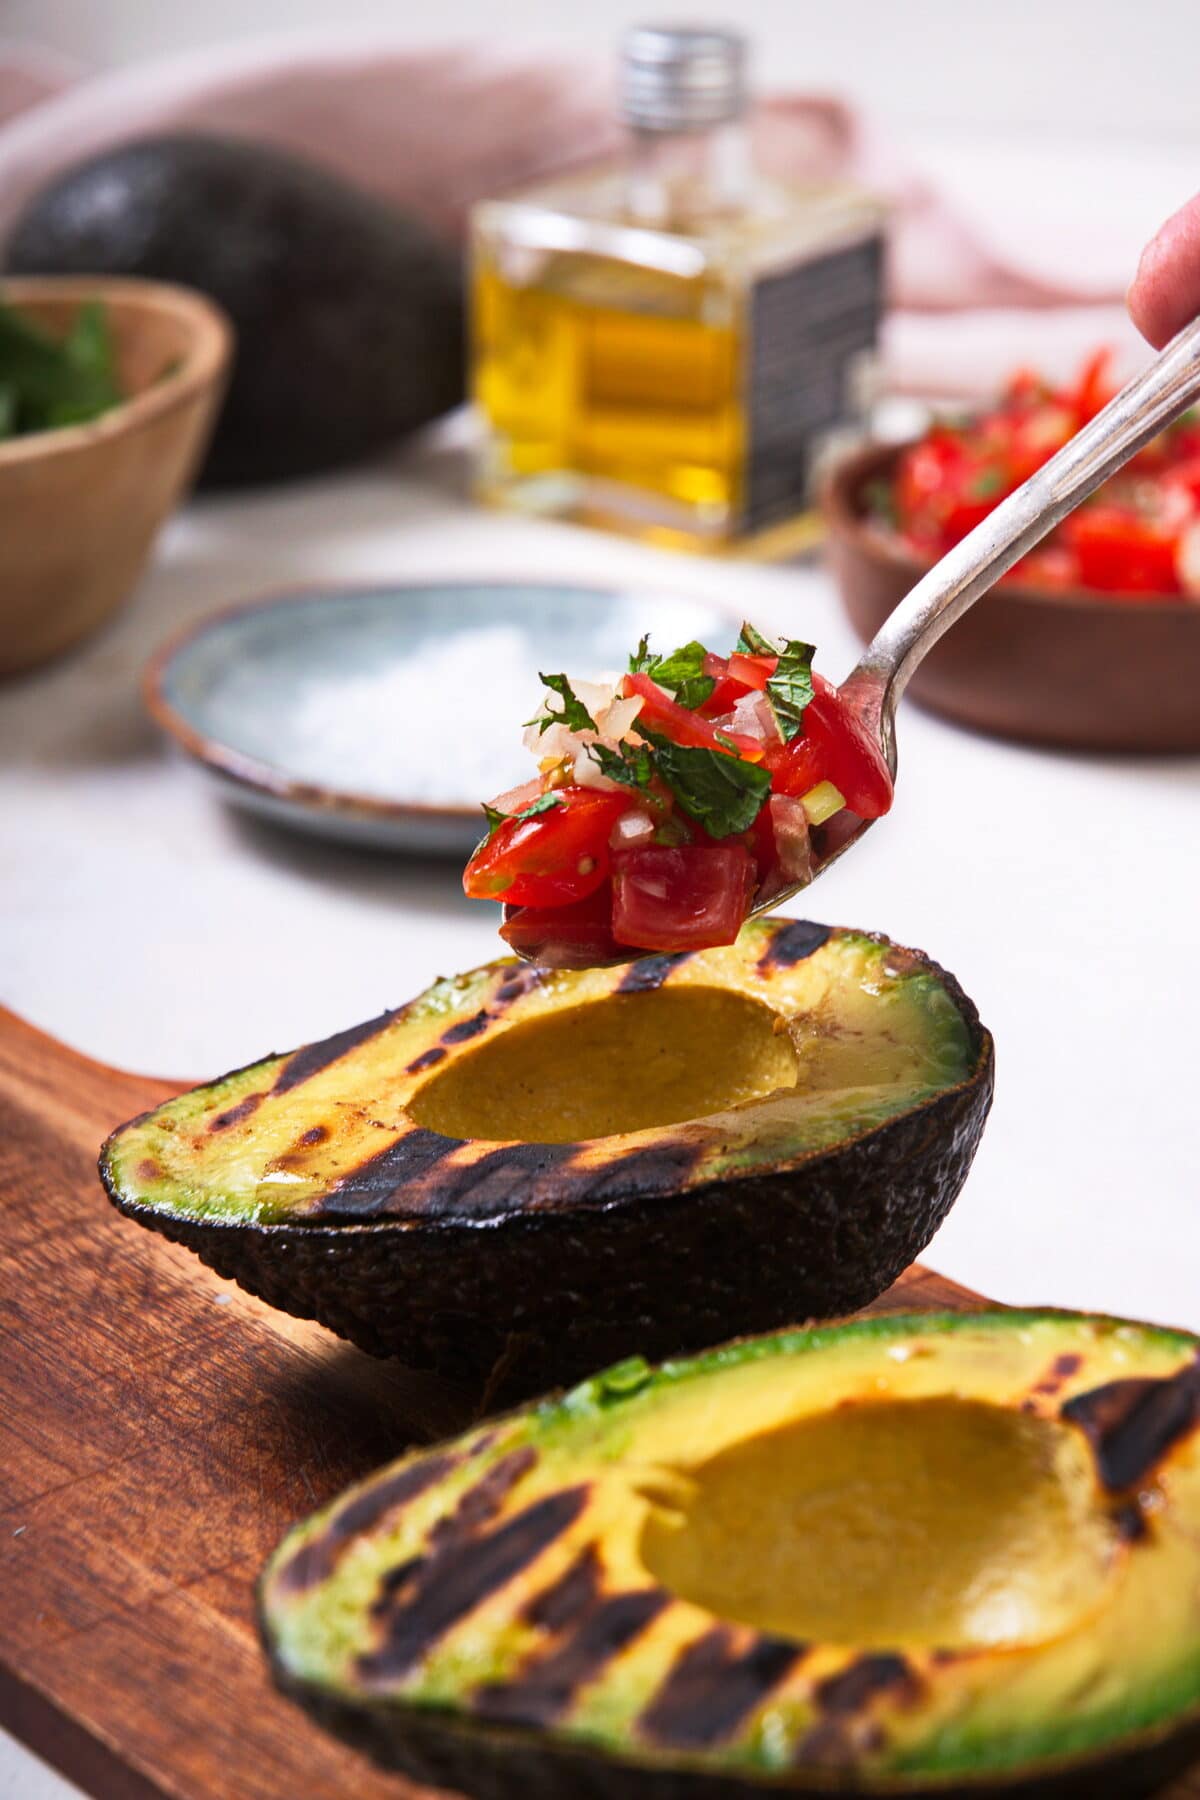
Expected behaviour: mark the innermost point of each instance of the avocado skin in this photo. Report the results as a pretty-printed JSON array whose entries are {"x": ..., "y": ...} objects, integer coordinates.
[
  {"x": 736, "y": 1257},
  {"x": 491, "y": 1763},
  {"x": 349, "y": 315}
]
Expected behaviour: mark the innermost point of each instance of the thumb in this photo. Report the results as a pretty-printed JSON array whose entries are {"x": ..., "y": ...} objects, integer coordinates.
[{"x": 1166, "y": 289}]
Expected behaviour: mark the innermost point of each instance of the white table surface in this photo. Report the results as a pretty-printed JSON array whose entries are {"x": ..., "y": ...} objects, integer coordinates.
[{"x": 147, "y": 924}]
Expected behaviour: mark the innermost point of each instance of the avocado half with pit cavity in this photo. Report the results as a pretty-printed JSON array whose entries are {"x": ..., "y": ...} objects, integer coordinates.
[
  {"x": 950, "y": 1554},
  {"x": 521, "y": 1174}
]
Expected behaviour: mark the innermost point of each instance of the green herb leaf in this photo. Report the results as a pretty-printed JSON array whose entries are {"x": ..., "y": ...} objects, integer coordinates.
[
  {"x": 722, "y": 793},
  {"x": 641, "y": 659},
  {"x": 751, "y": 642},
  {"x": 542, "y": 804},
  {"x": 791, "y": 688},
  {"x": 573, "y": 713},
  {"x": 51, "y": 383},
  {"x": 630, "y": 764},
  {"x": 681, "y": 673}
]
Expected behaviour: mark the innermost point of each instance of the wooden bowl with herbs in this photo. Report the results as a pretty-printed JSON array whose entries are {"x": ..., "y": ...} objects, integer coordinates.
[
  {"x": 108, "y": 392},
  {"x": 1093, "y": 641}
]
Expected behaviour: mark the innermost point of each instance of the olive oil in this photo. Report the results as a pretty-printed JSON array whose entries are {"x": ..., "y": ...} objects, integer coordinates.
[{"x": 667, "y": 347}]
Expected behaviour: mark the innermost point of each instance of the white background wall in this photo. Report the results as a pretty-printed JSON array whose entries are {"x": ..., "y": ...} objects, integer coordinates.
[{"x": 1048, "y": 66}]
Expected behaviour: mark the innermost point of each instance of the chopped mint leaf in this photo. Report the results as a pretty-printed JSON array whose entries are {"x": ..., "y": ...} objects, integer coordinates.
[
  {"x": 573, "y": 713},
  {"x": 751, "y": 642},
  {"x": 722, "y": 793},
  {"x": 681, "y": 673},
  {"x": 791, "y": 688},
  {"x": 694, "y": 692},
  {"x": 495, "y": 818},
  {"x": 641, "y": 659},
  {"x": 630, "y": 764}
]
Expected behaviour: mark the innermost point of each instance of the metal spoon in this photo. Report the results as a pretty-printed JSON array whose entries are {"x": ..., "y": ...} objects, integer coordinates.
[{"x": 1150, "y": 402}]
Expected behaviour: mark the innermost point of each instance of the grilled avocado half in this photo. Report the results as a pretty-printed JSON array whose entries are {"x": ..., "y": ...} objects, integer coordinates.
[
  {"x": 522, "y": 1175},
  {"x": 950, "y": 1554}
]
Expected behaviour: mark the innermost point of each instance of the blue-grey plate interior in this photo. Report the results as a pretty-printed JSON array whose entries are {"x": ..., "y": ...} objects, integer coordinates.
[{"x": 385, "y": 715}]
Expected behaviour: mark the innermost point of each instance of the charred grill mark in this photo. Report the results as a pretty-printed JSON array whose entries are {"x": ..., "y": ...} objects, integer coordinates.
[
  {"x": 497, "y": 1177},
  {"x": 520, "y": 982},
  {"x": 318, "y": 1558},
  {"x": 569, "y": 1597},
  {"x": 316, "y": 1134},
  {"x": 1131, "y": 1522},
  {"x": 312, "y": 1058},
  {"x": 1132, "y": 1424},
  {"x": 1059, "y": 1372},
  {"x": 546, "y": 1687},
  {"x": 418, "y": 1169},
  {"x": 649, "y": 972},
  {"x": 853, "y": 1687},
  {"x": 149, "y": 1170},
  {"x": 363, "y": 1191},
  {"x": 714, "y": 1687},
  {"x": 659, "y": 1166},
  {"x": 428, "y": 1059},
  {"x": 483, "y": 1501},
  {"x": 467, "y": 1028},
  {"x": 464, "y": 1569},
  {"x": 235, "y": 1114},
  {"x": 792, "y": 944}
]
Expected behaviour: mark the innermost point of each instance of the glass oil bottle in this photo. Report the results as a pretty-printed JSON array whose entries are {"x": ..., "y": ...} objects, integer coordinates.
[{"x": 669, "y": 347}]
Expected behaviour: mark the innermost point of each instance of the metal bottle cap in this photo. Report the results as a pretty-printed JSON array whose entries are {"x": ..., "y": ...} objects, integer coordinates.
[{"x": 681, "y": 77}]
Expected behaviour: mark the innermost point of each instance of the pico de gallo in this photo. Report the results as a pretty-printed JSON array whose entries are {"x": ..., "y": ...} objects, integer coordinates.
[
  {"x": 671, "y": 802},
  {"x": 1138, "y": 535}
]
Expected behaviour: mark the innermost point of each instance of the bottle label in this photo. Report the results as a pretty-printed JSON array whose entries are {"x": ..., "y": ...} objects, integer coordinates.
[{"x": 810, "y": 330}]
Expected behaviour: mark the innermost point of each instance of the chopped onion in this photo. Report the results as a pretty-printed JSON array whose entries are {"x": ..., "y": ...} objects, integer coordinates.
[
  {"x": 630, "y": 829},
  {"x": 789, "y": 826},
  {"x": 619, "y": 717}
]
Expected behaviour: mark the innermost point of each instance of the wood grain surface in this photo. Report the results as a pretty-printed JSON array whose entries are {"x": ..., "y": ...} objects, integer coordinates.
[{"x": 160, "y": 1431}]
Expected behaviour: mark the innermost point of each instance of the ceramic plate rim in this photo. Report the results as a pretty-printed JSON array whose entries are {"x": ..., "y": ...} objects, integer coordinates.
[{"x": 247, "y": 771}]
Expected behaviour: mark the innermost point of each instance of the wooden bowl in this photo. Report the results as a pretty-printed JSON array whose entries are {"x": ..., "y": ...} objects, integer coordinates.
[
  {"x": 80, "y": 507},
  {"x": 1076, "y": 669}
]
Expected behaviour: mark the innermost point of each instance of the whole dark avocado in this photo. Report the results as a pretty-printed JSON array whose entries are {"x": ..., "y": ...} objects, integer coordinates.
[
  {"x": 524, "y": 1173},
  {"x": 349, "y": 315}
]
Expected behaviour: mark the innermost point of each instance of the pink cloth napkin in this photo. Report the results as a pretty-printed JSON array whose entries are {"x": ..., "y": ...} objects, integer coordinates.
[{"x": 433, "y": 130}]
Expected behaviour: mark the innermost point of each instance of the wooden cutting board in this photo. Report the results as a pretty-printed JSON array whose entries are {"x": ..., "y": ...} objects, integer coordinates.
[{"x": 160, "y": 1430}]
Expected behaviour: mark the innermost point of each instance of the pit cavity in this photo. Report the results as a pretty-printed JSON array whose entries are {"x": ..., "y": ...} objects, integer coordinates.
[
  {"x": 892, "y": 1524},
  {"x": 624, "y": 1063}
]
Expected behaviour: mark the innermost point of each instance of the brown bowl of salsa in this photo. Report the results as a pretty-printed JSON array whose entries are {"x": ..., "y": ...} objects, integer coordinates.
[{"x": 1093, "y": 640}]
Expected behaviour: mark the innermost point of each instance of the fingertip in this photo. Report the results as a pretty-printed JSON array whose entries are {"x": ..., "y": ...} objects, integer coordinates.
[{"x": 1165, "y": 292}]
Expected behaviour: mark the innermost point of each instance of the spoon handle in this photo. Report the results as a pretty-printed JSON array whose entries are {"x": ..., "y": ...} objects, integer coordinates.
[{"x": 1138, "y": 413}]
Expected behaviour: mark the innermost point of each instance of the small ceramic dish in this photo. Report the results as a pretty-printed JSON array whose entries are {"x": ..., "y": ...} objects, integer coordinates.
[
  {"x": 384, "y": 715},
  {"x": 1077, "y": 669},
  {"x": 80, "y": 507}
]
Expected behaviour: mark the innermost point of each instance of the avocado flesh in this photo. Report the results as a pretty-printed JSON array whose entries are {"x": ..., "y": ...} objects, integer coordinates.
[
  {"x": 760, "y": 1133},
  {"x": 885, "y": 1557}
]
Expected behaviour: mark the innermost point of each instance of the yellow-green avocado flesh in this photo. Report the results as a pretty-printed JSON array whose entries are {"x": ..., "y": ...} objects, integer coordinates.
[
  {"x": 907, "y": 1555},
  {"x": 522, "y": 1175}
]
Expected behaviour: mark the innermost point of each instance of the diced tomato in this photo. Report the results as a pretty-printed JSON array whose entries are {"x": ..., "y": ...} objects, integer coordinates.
[
  {"x": 835, "y": 747},
  {"x": 662, "y": 714},
  {"x": 565, "y": 937},
  {"x": 752, "y": 671},
  {"x": 552, "y": 859},
  {"x": 1051, "y": 565},
  {"x": 1094, "y": 389},
  {"x": 1121, "y": 551},
  {"x": 688, "y": 898}
]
